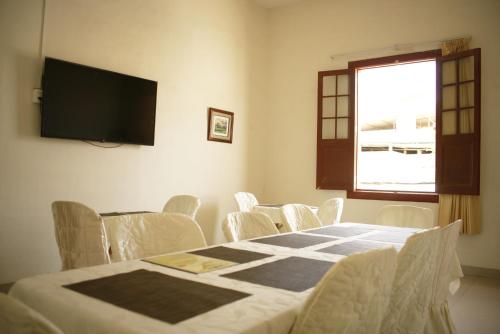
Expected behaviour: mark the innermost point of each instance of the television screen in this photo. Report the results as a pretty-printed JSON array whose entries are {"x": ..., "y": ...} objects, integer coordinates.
[{"x": 82, "y": 102}]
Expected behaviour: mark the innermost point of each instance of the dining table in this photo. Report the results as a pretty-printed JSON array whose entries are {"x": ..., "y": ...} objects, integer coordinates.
[{"x": 261, "y": 290}]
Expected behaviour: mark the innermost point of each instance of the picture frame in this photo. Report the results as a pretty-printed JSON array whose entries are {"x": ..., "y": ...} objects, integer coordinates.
[{"x": 220, "y": 125}]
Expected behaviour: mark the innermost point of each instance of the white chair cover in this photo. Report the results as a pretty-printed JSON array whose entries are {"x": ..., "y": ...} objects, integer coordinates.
[
  {"x": 330, "y": 211},
  {"x": 247, "y": 225},
  {"x": 440, "y": 321},
  {"x": 405, "y": 216},
  {"x": 185, "y": 204},
  {"x": 352, "y": 297},
  {"x": 18, "y": 318},
  {"x": 144, "y": 235},
  {"x": 299, "y": 217},
  {"x": 408, "y": 310},
  {"x": 246, "y": 201},
  {"x": 80, "y": 235}
]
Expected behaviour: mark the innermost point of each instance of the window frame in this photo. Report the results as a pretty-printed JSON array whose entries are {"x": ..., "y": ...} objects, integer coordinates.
[{"x": 385, "y": 195}]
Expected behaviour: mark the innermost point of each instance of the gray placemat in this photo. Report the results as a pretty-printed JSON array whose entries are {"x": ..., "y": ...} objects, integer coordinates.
[
  {"x": 294, "y": 240},
  {"x": 293, "y": 273},
  {"x": 337, "y": 231},
  {"x": 389, "y": 236},
  {"x": 157, "y": 295},
  {"x": 356, "y": 246},
  {"x": 231, "y": 254},
  {"x": 112, "y": 214}
]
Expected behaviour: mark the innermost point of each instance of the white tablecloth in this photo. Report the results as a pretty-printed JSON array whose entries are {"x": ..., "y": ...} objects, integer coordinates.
[{"x": 267, "y": 310}]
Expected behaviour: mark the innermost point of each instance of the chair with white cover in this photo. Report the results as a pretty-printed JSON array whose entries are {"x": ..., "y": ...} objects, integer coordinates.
[
  {"x": 80, "y": 235},
  {"x": 408, "y": 310},
  {"x": 440, "y": 321},
  {"x": 405, "y": 216},
  {"x": 185, "y": 204},
  {"x": 246, "y": 201},
  {"x": 18, "y": 318},
  {"x": 330, "y": 211},
  {"x": 247, "y": 225},
  {"x": 139, "y": 236},
  {"x": 352, "y": 297},
  {"x": 299, "y": 217}
]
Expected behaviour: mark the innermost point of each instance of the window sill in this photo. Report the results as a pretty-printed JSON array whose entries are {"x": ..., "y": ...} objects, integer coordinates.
[{"x": 393, "y": 196}]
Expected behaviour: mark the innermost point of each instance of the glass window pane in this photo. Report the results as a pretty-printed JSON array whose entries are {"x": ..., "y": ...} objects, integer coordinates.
[
  {"x": 466, "y": 68},
  {"x": 449, "y": 72},
  {"x": 467, "y": 121},
  {"x": 449, "y": 97},
  {"x": 449, "y": 122},
  {"x": 329, "y": 85},
  {"x": 467, "y": 95},
  {"x": 342, "y": 104},
  {"x": 328, "y": 107},
  {"x": 328, "y": 129},
  {"x": 343, "y": 87},
  {"x": 342, "y": 128}
]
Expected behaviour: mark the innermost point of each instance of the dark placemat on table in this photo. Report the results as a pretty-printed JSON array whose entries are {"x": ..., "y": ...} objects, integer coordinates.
[
  {"x": 355, "y": 246},
  {"x": 112, "y": 214},
  {"x": 294, "y": 240},
  {"x": 337, "y": 231},
  {"x": 390, "y": 236},
  {"x": 231, "y": 254},
  {"x": 293, "y": 273},
  {"x": 157, "y": 295}
]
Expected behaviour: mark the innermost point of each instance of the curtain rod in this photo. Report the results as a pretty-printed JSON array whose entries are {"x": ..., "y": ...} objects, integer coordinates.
[{"x": 400, "y": 47}]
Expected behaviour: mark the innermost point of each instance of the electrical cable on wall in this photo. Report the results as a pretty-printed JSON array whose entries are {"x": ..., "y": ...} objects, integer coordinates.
[{"x": 101, "y": 146}]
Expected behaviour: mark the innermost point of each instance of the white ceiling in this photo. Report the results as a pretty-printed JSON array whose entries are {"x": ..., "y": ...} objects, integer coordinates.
[{"x": 274, "y": 3}]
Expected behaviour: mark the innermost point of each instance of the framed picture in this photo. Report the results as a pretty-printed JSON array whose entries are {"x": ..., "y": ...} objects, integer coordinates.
[{"x": 220, "y": 125}]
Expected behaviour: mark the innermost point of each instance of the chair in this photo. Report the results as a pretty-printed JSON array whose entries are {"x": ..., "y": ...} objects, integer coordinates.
[
  {"x": 405, "y": 216},
  {"x": 151, "y": 234},
  {"x": 247, "y": 225},
  {"x": 18, "y": 318},
  {"x": 352, "y": 296},
  {"x": 246, "y": 201},
  {"x": 185, "y": 204},
  {"x": 330, "y": 211},
  {"x": 299, "y": 217},
  {"x": 408, "y": 310},
  {"x": 80, "y": 235},
  {"x": 440, "y": 321}
]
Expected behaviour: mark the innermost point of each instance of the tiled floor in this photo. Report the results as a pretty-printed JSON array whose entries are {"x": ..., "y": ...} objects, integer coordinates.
[{"x": 475, "y": 308}]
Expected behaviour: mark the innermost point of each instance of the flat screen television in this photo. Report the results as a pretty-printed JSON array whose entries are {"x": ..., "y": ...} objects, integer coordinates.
[{"x": 87, "y": 103}]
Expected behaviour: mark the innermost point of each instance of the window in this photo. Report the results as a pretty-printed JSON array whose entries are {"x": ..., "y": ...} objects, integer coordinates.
[
  {"x": 412, "y": 127},
  {"x": 396, "y": 127}
]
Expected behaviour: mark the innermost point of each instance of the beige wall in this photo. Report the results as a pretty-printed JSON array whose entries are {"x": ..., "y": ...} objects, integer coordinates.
[
  {"x": 229, "y": 54},
  {"x": 202, "y": 53},
  {"x": 302, "y": 38}
]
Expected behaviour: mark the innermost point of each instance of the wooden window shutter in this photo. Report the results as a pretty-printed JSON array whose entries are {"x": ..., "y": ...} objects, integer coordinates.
[
  {"x": 458, "y": 122},
  {"x": 335, "y": 135}
]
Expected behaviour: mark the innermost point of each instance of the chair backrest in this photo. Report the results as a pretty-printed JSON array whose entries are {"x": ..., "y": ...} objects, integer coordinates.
[
  {"x": 247, "y": 225},
  {"x": 151, "y": 234},
  {"x": 299, "y": 217},
  {"x": 352, "y": 297},
  {"x": 185, "y": 204},
  {"x": 246, "y": 201},
  {"x": 330, "y": 211},
  {"x": 440, "y": 319},
  {"x": 18, "y": 318},
  {"x": 405, "y": 216},
  {"x": 408, "y": 309},
  {"x": 80, "y": 235}
]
